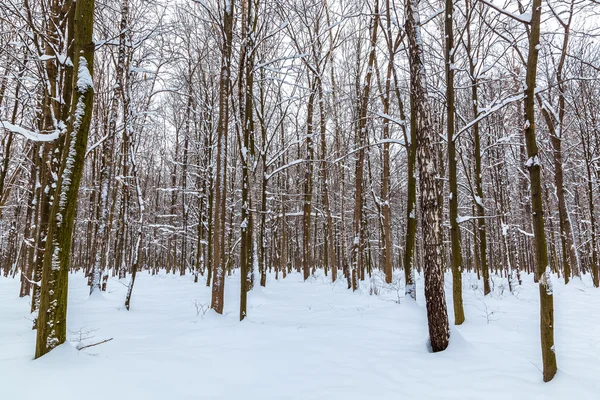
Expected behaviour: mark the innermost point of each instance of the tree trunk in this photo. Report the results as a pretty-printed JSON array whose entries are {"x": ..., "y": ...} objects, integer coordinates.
[
  {"x": 103, "y": 234},
  {"x": 459, "y": 313},
  {"x": 308, "y": 186},
  {"x": 361, "y": 134},
  {"x": 52, "y": 327},
  {"x": 218, "y": 288},
  {"x": 533, "y": 164},
  {"x": 433, "y": 266},
  {"x": 481, "y": 231},
  {"x": 246, "y": 82}
]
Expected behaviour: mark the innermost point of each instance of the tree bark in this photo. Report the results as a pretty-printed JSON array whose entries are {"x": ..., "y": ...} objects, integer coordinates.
[
  {"x": 433, "y": 266},
  {"x": 218, "y": 286},
  {"x": 533, "y": 164},
  {"x": 52, "y": 327},
  {"x": 459, "y": 313},
  {"x": 361, "y": 134}
]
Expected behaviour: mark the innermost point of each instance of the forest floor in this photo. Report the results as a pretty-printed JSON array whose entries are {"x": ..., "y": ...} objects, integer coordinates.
[{"x": 301, "y": 340}]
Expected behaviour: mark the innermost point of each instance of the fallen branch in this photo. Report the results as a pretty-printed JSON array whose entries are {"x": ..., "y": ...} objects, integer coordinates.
[{"x": 93, "y": 344}]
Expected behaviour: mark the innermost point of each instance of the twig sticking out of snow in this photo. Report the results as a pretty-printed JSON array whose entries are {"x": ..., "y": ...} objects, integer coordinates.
[{"x": 79, "y": 347}]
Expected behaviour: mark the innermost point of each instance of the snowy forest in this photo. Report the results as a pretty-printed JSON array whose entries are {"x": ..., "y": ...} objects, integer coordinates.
[{"x": 404, "y": 187}]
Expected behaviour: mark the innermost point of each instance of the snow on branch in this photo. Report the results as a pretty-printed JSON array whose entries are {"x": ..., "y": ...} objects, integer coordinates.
[
  {"x": 465, "y": 218},
  {"x": 490, "y": 110},
  {"x": 391, "y": 118},
  {"x": 524, "y": 18},
  {"x": 289, "y": 165},
  {"x": 378, "y": 143},
  {"x": 525, "y": 232},
  {"x": 36, "y": 283},
  {"x": 95, "y": 145},
  {"x": 432, "y": 16},
  {"x": 33, "y": 136}
]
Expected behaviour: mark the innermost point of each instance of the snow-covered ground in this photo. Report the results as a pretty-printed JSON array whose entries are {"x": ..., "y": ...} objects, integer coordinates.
[{"x": 302, "y": 340}]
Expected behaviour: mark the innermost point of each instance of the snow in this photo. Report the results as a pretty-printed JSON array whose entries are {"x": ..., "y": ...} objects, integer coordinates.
[
  {"x": 486, "y": 111},
  {"x": 391, "y": 118},
  {"x": 479, "y": 201},
  {"x": 301, "y": 340},
  {"x": 277, "y": 170},
  {"x": 84, "y": 77},
  {"x": 432, "y": 16},
  {"x": 525, "y": 232},
  {"x": 532, "y": 161},
  {"x": 464, "y": 218},
  {"x": 33, "y": 136},
  {"x": 523, "y": 18}
]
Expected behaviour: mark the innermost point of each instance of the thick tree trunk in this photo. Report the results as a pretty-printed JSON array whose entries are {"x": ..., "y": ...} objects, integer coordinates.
[
  {"x": 52, "y": 327},
  {"x": 218, "y": 286},
  {"x": 533, "y": 164},
  {"x": 246, "y": 82},
  {"x": 433, "y": 265}
]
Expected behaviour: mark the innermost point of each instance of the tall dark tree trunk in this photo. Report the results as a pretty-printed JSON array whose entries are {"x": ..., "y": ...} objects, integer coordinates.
[
  {"x": 52, "y": 326},
  {"x": 246, "y": 103},
  {"x": 534, "y": 167},
  {"x": 218, "y": 288},
  {"x": 308, "y": 186},
  {"x": 433, "y": 265},
  {"x": 361, "y": 135},
  {"x": 459, "y": 313}
]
